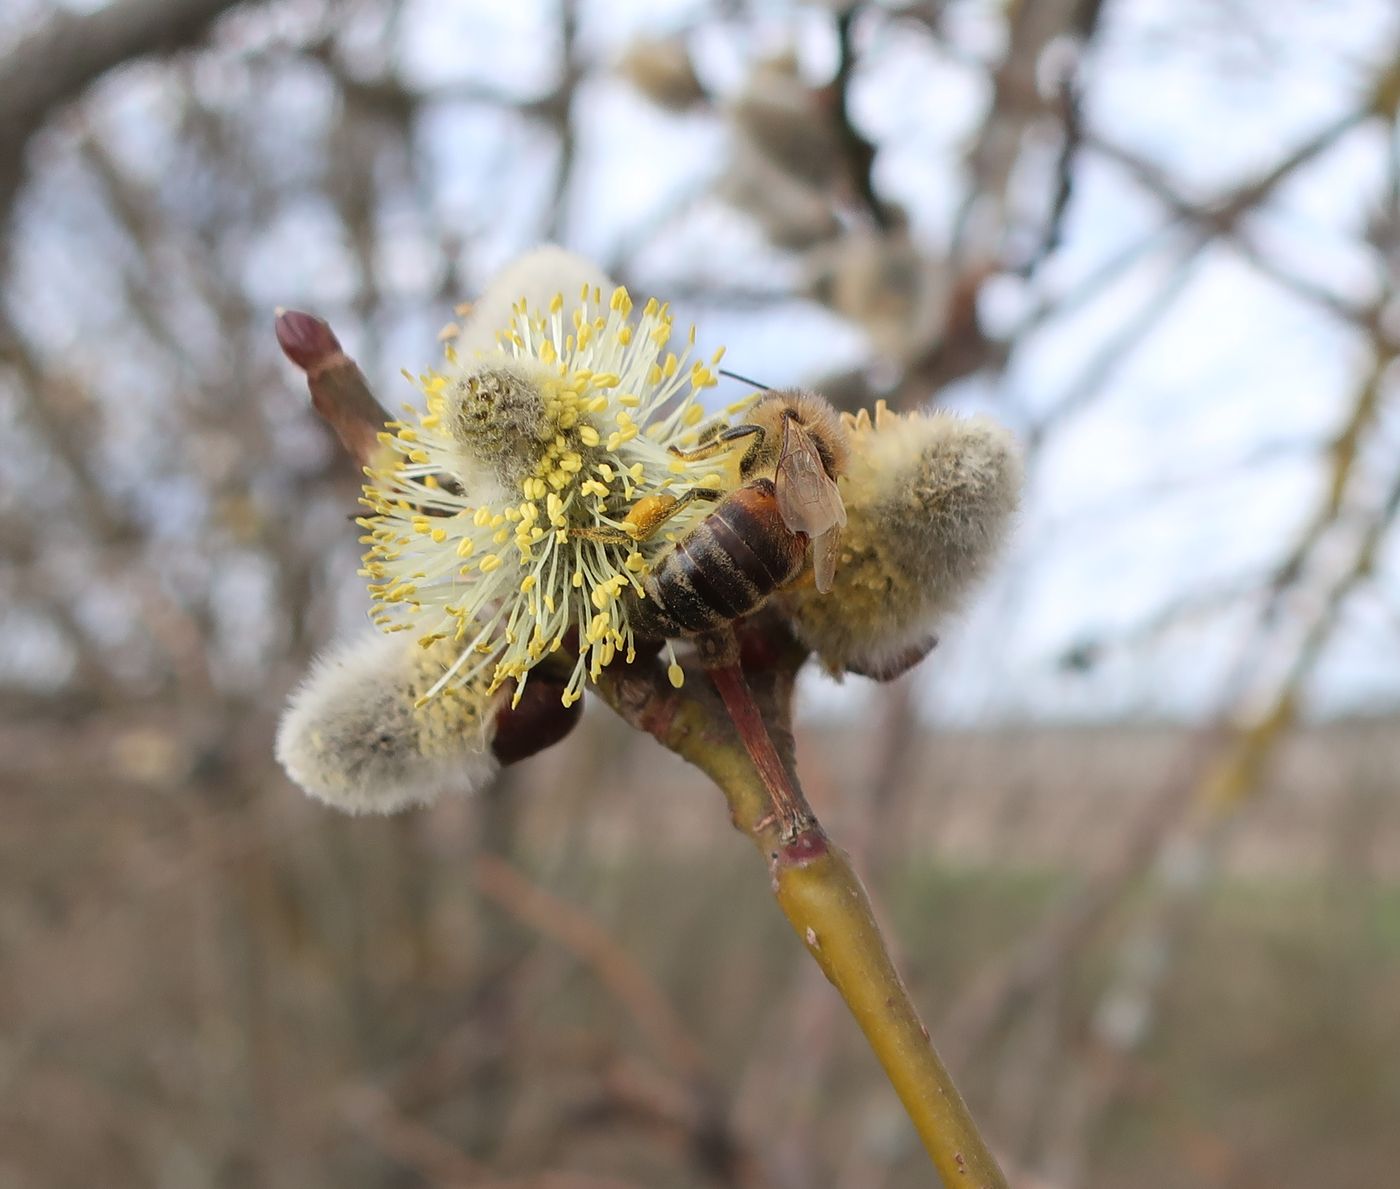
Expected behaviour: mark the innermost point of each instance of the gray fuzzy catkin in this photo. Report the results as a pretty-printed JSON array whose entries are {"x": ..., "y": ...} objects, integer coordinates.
[
  {"x": 352, "y": 737},
  {"x": 499, "y": 418},
  {"x": 533, "y": 278},
  {"x": 497, "y": 406},
  {"x": 929, "y": 500}
]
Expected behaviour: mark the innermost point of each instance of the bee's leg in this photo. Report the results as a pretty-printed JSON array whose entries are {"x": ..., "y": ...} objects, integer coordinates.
[
  {"x": 648, "y": 519},
  {"x": 602, "y": 534},
  {"x": 645, "y": 519},
  {"x": 718, "y": 444}
]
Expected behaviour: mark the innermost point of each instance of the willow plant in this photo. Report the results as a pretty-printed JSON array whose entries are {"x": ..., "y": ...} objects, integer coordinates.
[{"x": 509, "y": 574}]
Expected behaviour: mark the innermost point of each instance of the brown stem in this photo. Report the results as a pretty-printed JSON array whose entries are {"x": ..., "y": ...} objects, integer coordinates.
[{"x": 719, "y": 653}]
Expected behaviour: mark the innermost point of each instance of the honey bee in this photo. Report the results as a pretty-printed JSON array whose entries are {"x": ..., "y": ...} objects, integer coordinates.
[{"x": 755, "y": 540}]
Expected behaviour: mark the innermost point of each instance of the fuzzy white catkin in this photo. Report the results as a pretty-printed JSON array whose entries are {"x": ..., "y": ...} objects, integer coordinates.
[
  {"x": 536, "y": 277},
  {"x": 351, "y": 736}
]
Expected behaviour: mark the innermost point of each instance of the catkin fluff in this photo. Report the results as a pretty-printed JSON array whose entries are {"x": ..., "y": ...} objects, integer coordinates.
[
  {"x": 929, "y": 500},
  {"x": 354, "y": 736}
]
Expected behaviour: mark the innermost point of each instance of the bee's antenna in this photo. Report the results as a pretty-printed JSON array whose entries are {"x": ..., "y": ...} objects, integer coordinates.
[{"x": 744, "y": 380}]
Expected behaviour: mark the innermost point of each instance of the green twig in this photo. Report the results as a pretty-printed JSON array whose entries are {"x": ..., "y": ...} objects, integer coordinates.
[{"x": 812, "y": 879}]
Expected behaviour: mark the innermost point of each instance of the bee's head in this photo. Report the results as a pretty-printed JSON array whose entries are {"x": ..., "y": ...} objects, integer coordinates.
[{"x": 813, "y": 413}]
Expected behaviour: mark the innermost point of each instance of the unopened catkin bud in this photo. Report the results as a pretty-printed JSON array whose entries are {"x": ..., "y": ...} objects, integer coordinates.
[
  {"x": 660, "y": 68},
  {"x": 881, "y": 282},
  {"x": 791, "y": 213},
  {"x": 929, "y": 499},
  {"x": 785, "y": 122},
  {"x": 353, "y": 737}
]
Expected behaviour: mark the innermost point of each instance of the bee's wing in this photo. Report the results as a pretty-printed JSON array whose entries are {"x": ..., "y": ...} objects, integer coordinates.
[
  {"x": 825, "y": 550},
  {"x": 808, "y": 500}
]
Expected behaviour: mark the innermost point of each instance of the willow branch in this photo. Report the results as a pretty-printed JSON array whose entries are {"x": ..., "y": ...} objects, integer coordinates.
[
  {"x": 69, "y": 52},
  {"x": 815, "y": 886},
  {"x": 732, "y": 719}
]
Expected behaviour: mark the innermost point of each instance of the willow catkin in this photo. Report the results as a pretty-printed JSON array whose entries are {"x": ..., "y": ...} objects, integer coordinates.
[
  {"x": 929, "y": 500},
  {"x": 353, "y": 737},
  {"x": 533, "y": 279},
  {"x": 661, "y": 69}
]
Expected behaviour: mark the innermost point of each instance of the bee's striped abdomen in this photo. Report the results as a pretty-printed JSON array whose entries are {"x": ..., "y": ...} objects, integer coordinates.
[{"x": 728, "y": 564}]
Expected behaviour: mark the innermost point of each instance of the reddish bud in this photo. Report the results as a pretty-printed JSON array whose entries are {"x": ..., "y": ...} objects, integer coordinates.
[
  {"x": 540, "y": 721},
  {"x": 339, "y": 391},
  {"x": 306, "y": 340}
]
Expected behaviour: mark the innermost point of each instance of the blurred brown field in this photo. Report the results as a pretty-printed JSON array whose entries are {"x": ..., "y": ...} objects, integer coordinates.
[
  {"x": 1133, "y": 828},
  {"x": 210, "y": 980}
]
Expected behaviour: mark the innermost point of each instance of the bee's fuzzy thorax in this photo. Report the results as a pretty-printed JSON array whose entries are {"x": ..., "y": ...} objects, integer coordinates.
[
  {"x": 814, "y": 413},
  {"x": 929, "y": 499},
  {"x": 354, "y": 736}
]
